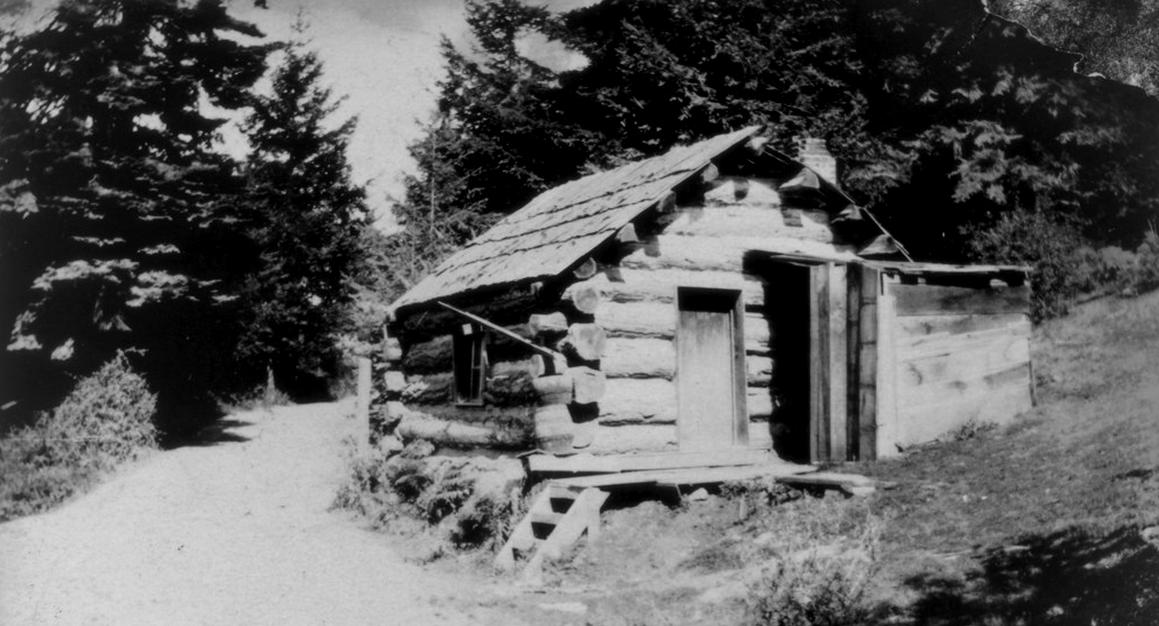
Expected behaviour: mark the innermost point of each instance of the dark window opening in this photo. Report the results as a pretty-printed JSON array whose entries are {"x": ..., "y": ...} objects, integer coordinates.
[{"x": 470, "y": 364}]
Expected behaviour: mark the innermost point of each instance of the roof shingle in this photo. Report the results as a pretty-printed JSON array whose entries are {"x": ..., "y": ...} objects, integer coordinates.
[{"x": 563, "y": 224}]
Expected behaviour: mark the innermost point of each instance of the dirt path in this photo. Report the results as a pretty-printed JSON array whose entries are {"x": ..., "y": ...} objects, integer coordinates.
[{"x": 236, "y": 532}]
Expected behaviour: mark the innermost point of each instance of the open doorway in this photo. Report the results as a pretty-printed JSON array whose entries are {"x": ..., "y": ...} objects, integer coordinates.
[{"x": 788, "y": 313}]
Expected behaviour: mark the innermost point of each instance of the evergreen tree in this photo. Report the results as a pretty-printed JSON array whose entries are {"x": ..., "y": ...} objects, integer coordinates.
[
  {"x": 995, "y": 123},
  {"x": 661, "y": 73},
  {"x": 496, "y": 139},
  {"x": 1115, "y": 37},
  {"x": 116, "y": 211},
  {"x": 657, "y": 73},
  {"x": 307, "y": 218},
  {"x": 943, "y": 116}
]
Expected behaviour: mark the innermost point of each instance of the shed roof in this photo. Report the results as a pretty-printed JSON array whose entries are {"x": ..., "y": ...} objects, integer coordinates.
[
  {"x": 946, "y": 269},
  {"x": 564, "y": 224}
]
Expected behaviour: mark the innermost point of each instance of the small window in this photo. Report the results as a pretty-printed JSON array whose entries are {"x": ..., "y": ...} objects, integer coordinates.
[{"x": 470, "y": 356}]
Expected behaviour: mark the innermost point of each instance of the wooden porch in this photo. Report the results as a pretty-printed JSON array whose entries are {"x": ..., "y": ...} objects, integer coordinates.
[
  {"x": 685, "y": 469},
  {"x": 576, "y": 487}
]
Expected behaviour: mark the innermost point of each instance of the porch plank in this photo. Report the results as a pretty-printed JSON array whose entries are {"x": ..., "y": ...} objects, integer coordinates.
[
  {"x": 587, "y": 464},
  {"x": 688, "y": 476}
]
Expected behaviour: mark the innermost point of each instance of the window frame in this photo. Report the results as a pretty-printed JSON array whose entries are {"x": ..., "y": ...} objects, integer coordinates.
[{"x": 469, "y": 342}]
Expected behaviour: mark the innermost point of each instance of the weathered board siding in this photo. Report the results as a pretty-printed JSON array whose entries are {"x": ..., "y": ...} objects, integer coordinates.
[
  {"x": 867, "y": 365},
  {"x": 948, "y": 356}
]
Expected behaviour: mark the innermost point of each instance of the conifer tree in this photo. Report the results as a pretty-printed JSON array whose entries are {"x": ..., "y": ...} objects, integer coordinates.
[
  {"x": 117, "y": 211},
  {"x": 944, "y": 116},
  {"x": 307, "y": 218}
]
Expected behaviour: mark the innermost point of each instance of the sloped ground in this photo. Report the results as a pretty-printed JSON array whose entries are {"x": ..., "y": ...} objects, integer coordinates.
[
  {"x": 234, "y": 531},
  {"x": 1046, "y": 522}
]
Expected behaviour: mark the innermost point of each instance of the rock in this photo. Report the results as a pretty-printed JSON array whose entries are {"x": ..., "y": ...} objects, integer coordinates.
[
  {"x": 1151, "y": 535},
  {"x": 698, "y": 495}
]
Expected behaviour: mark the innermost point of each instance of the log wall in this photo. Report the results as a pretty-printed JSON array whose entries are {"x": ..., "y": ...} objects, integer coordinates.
[
  {"x": 703, "y": 246},
  {"x": 956, "y": 355},
  {"x": 712, "y": 244},
  {"x": 426, "y": 410}
]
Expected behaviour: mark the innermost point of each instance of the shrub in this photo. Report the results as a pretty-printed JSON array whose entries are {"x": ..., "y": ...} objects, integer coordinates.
[
  {"x": 1106, "y": 269},
  {"x": 757, "y": 496},
  {"x": 106, "y": 420},
  {"x": 468, "y": 501},
  {"x": 260, "y": 397},
  {"x": 823, "y": 560},
  {"x": 1147, "y": 256},
  {"x": 1052, "y": 248},
  {"x": 485, "y": 521},
  {"x": 972, "y": 429}
]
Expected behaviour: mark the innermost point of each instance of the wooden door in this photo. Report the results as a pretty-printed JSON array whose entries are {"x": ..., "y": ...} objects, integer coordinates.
[{"x": 710, "y": 369}]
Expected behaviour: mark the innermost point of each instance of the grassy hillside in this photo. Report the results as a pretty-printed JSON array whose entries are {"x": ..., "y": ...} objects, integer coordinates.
[{"x": 1044, "y": 522}]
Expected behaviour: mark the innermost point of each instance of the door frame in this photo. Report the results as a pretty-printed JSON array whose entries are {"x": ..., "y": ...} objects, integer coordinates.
[
  {"x": 831, "y": 365},
  {"x": 733, "y": 301}
]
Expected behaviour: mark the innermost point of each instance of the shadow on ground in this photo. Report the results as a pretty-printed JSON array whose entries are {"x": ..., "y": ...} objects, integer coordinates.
[
  {"x": 1069, "y": 577},
  {"x": 217, "y": 432}
]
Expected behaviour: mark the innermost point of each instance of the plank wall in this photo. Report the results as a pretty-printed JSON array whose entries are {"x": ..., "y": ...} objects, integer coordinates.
[{"x": 948, "y": 356}]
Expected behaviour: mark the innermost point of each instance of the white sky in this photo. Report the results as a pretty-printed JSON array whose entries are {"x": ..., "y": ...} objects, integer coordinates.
[{"x": 383, "y": 56}]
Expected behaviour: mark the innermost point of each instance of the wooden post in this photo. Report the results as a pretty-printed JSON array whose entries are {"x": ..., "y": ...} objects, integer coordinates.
[
  {"x": 867, "y": 364},
  {"x": 271, "y": 389},
  {"x": 362, "y": 408},
  {"x": 853, "y": 356},
  {"x": 838, "y": 411},
  {"x": 818, "y": 362},
  {"x": 886, "y": 414}
]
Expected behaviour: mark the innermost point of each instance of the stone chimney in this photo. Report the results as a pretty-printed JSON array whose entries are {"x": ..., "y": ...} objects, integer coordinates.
[{"x": 815, "y": 156}]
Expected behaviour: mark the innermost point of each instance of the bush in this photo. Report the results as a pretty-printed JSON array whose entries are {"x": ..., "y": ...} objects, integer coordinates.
[
  {"x": 1106, "y": 269},
  {"x": 1052, "y": 248},
  {"x": 823, "y": 558},
  {"x": 485, "y": 521},
  {"x": 105, "y": 421},
  {"x": 1148, "y": 262},
  {"x": 468, "y": 502}
]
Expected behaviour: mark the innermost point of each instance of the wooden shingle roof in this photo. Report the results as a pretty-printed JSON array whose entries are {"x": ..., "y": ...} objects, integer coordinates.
[{"x": 564, "y": 224}]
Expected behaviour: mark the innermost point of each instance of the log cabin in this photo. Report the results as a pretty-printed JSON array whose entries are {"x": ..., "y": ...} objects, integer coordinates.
[{"x": 720, "y": 298}]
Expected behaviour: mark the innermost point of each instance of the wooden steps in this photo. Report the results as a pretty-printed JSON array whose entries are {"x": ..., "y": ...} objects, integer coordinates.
[
  {"x": 557, "y": 519},
  {"x": 569, "y": 508}
]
